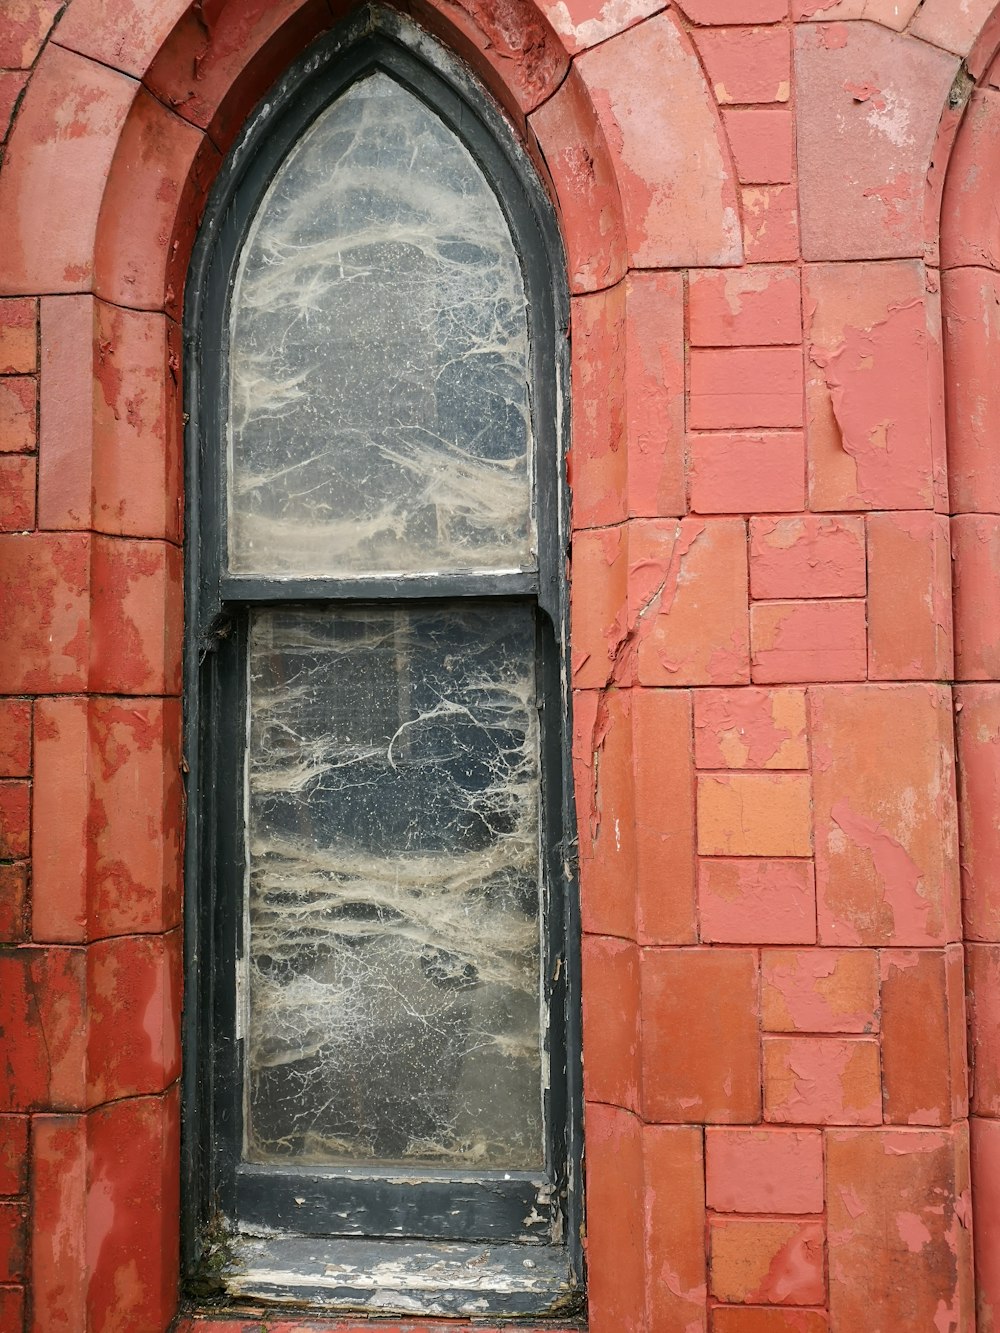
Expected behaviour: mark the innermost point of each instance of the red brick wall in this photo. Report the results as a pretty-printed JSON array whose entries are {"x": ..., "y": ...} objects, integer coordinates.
[{"x": 765, "y": 523}]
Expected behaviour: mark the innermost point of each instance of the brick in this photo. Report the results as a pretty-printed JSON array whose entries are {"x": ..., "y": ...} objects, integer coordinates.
[
  {"x": 938, "y": 24},
  {"x": 66, "y": 426},
  {"x": 615, "y": 1227},
  {"x": 985, "y": 1136},
  {"x": 42, "y": 1007},
  {"x": 983, "y": 972},
  {"x": 726, "y": 12},
  {"x": 745, "y": 388},
  {"x": 18, "y": 336},
  {"x": 61, "y": 831},
  {"x": 688, "y": 602},
  {"x": 863, "y": 192},
  {"x": 26, "y": 27},
  {"x": 59, "y": 1232},
  {"x": 873, "y": 390},
  {"x": 770, "y": 223},
  {"x": 13, "y": 1154},
  {"x": 811, "y": 556},
  {"x": 18, "y": 414},
  {"x": 674, "y": 1181},
  {"x": 754, "y": 814},
  {"x": 970, "y": 233},
  {"x": 976, "y": 554},
  {"x": 53, "y": 182},
  {"x": 764, "y": 1170},
  {"x": 13, "y": 902},
  {"x": 747, "y": 473},
  {"x": 15, "y": 738},
  {"x": 17, "y": 493},
  {"x": 667, "y": 131},
  {"x": 654, "y": 392},
  {"x": 599, "y": 459},
  {"x": 611, "y": 1021},
  {"x": 12, "y": 1249},
  {"x": 44, "y": 582},
  {"x": 923, "y": 1063},
  {"x": 137, "y": 623},
  {"x": 820, "y": 990},
  {"x": 808, "y": 641},
  {"x": 664, "y": 830},
  {"x": 700, "y": 1052},
  {"x": 970, "y": 308},
  {"x": 747, "y": 64},
  {"x": 900, "y": 1248},
  {"x": 600, "y": 620},
  {"x": 15, "y": 820},
  {"x": 977, "y": 717},
  {"x": 767, "y": 1319},
  {"x": 780, "y": 1262},
  {"x": 750, "y": 728},
  {"x": 604, "y": 788},
  {"x": 582, "y": 23},
  {"x": 910, "y": 632},
  {"x": 748, "y": 307},
  {"x": 125, "y": 34},
  {"x": 11, "y": 1309},
  {"x": 822, "y": 1081},
  {"x": 762, "y": 143},
  {"x": 12, "y": 85},
  {"x": 585, "y": 184},
  {"x": 884, "y": 800},
  {"x": 757, "y": 900}
]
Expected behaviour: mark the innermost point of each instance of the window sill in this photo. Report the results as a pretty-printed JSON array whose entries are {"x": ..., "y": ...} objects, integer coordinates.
[{"x": 421, "y": 1278}]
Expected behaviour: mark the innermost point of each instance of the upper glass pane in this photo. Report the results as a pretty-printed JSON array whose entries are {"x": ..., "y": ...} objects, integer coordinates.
[{"x": 379, "y": 416}]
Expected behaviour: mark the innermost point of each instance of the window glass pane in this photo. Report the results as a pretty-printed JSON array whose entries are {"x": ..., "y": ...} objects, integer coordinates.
[
  {"x": 379, "y": 417},
  {"x": 394, "y": 888}
]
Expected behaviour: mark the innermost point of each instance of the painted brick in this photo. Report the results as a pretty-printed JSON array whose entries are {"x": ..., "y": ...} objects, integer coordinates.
[
  {"x": 909, "y": 597},
  {"x": 780, "y": 1262},
  {"x": 820, "y": 990},
  {"x": 599, "y": 460},
  {"x": 44, "y": 583},
  {"x": 747, "y": 64},
  {"x": 18, "y": 336},
  {"x": 13, "y": 902},
  {"x": 923, "y": 1062},
  {"x": 676, "y": 1277},
  {"x": 42, "y": 1007},
  {"x": 664, "y": 830},
  {"x": 977, "y": 716},
  {"x": 66, "y": 427},
  {"x": 666, "y": 130},
  {"x": 822, "y": 1081},
  {"x": 60, "y": 831},
  {"x": 756, "y": 900},
  {"x": 12, "y": 85},
  {"x": 942, "y": 26},
  {"x": 726, "y": 12},
  {"x": 11, "y": 1309},
  {"x": 583, "y": 23},
  {"x": 872, "y": 377},
  {"x": 884, "y": 799},
  {"x": 688, "y": 602},
  {"x": 15, "y": 820},
  {"x": 970, "y": 306},
  {"x": 970, "y": 232},
  {"x": 770, "y": 223},
  {"x": 700, "y": 1053},
  {"x": 976, "y": 551},
  {"x": 754, "y": 814},
  {"x": 124, "y": 34},
  {"x": 13, "y": 1154},
  {"x": 611, "y": 1021},
  {"x": 745, "y": 388},
  {"x": 863, "y": 186},
  {"x": 762, "y": 142},
  {"x": 15, "y": 738},
  {"x": 604, "y": 778},
  {"x": 985, "y": 1136},
  {"x": 137, "y": 618},
  {"x": 600, "y": 620},
  {"x": 746, "y": 307},
  {"x": 764, "y": 1170},
  {"x": 808, "y": 641},
  {"x": 767, "y": 1319},
  {"x": 18, "y": 414},
  {"x": 747, "y": 473},
  {"x": 811, "y": 556},
  {"x": 896, "y": 1201},
  {"x": 750, "y": 728},
  {"x": 12, "y": 1237},
  {"x": 654, "y": 393},
  {"x": 983, "y": 972},
  {"x": 615, "y": 1226},
  {"x": 17, "y": 493},
  {"x": 59, "y": 1255},
  {"x": 26, "y": 27}
]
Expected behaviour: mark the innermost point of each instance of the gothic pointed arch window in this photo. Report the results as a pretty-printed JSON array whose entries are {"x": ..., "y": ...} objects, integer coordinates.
[{"x": 382, "y": 1088}]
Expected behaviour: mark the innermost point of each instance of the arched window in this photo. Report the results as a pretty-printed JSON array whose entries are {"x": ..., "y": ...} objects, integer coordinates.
[{"x": 383, "y": 1049}]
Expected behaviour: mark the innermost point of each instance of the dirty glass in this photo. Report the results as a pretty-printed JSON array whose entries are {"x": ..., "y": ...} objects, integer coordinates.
[
  {"x": 379, "y": 416},
  {"x": 393, "y": 862}
]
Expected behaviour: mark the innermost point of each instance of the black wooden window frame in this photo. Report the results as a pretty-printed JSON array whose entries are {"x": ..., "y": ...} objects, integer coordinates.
[{"x": 482, "y": 1206}]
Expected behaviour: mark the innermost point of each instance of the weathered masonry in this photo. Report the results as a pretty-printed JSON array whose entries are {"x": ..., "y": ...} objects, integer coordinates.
[{"x": 309, "y": 918}]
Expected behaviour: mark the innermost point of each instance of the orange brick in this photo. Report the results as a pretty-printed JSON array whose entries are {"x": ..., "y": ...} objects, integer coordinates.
[
  {"x": 734, "y": 388},
  {"x": 780, "y": 1262},
  {"x": 822, "y": 1081},
  {"x": 603, "y": 760},
  {"x": 756, "y": 900},
  {"x": 599, "y": 620},
  {"x": 820, "y": 990},
  {"x": 754, "y": 814},
  {"x": 808, "y": 641},
  {"x": 764, "y": 1170},
  {"x": 767, "y": 1319},
  {"x": 700, "y": 1048},
  {"x": 18, "y": 335},
  {"x": 762, "y": 144},
  {"x": 747, "y": 473},
  {"x": 748, "y": 307},
  {"x": 811, "y": 556},
  {"x": 18, "y": 414},
  {"x": 611, "y": 1021},
  {"x": 664, "y": 886},
  {"x": 15, "y": 738},
  {"x": 910, "y": 634},
  {"x": 749, "y": 728},
  {"x": 674, "y": 1182},
  {"x": 923, "y": 1074}
]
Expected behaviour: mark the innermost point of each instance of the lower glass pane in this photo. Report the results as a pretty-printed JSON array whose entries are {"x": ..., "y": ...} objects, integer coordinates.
[{"x": 393, "y": 952}]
